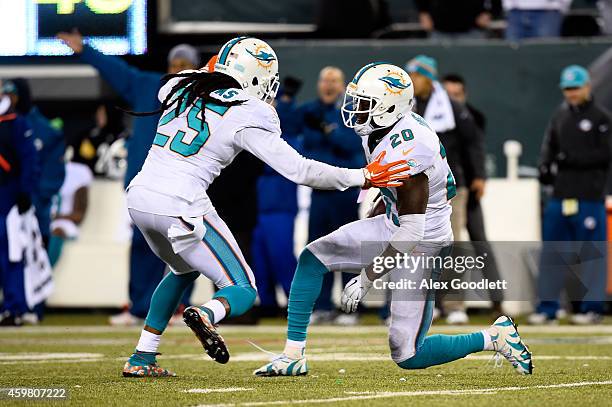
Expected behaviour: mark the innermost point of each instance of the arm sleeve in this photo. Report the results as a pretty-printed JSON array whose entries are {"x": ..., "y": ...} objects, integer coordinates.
[
  {"x": 268, "y": 146},
  {"x": 548, "y": 152},
  {"x": 119, "y": 75},
  {"x": 473, "y": 149}
]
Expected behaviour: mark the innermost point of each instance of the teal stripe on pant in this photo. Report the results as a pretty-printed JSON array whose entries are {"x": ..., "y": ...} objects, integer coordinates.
[
  {"x": 241, "y": 295},
  {"x": 166, "y": 298},
  {"x": 305, "y": 290},
  {"x": 440, "y": 349},
  {"x": 224, "y": 253}
]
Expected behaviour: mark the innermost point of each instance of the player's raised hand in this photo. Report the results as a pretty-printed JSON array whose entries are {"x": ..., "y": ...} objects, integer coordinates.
[
  {"x": 385, "y": 175},
  {"x": 73, "y": 39}
]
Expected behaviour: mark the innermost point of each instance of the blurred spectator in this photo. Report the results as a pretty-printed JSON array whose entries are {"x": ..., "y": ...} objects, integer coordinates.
[
  {"x": 456, "y": 89},
  {"x": 462, "y": 141},
  {"x": 19, "y": 176},
  {"x": 93, "y": 145},
  {"x": 534, "y": 18},
  {"x": 139, "y": 89},
  {"x": 326, "y": 139},
  {"x": 455, "y": 86},
  {"x": 71, "y": 208},
  {"x": 274, "y": 261},
  {"x": 575, "y": 160},
  {"x": 49, "y": 142},
  {"x": 455, "y": 19}
]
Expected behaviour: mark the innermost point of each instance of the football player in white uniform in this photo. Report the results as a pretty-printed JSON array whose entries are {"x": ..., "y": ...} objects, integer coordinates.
[
  {"x": 416, "y": 221},
  {"x": 208, "y": 118}
]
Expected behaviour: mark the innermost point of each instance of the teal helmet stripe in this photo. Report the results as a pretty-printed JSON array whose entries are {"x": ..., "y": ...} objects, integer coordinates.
[
  {"x": 227, "y": 48},
  {"x": 364, "y": 69}
]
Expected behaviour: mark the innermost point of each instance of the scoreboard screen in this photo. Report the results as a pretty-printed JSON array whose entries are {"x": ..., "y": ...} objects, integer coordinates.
[{"x": 115, "y": 27}]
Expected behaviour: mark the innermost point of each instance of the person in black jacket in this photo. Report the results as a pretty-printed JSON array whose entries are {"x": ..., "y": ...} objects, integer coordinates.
[
  {"x": 575, "y": 160},
  {"x": 462, "y": 140},
  {"x": 456, "y": 19},
  {"x": 454, "y": 84}
]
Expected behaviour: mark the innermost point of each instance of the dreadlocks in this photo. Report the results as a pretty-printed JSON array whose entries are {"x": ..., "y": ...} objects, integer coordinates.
[{"x": 192, "y": 86}]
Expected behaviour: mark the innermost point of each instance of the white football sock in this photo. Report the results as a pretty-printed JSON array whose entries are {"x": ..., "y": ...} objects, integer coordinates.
[
  {"x": 294, "y": 349},
  {"x": 217, "y": 308},
  {"x": 149, "y": 342},
  {"x": 488, "y": 343}
]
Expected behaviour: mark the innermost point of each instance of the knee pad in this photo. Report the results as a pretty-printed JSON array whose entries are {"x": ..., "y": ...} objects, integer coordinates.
[{"x": 240, "y": 299}]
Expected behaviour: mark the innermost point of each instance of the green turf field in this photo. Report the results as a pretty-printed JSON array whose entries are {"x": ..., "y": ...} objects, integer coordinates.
[{"x": 348, "y": 367}]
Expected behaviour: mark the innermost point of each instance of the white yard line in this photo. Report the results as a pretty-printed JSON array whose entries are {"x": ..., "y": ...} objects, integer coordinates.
[
  {"x": 485, "y": 391},
  {"x": 48, "y": 356},
  {"x": 221, "y": 390},
  {"x": 58, "y": 361}
]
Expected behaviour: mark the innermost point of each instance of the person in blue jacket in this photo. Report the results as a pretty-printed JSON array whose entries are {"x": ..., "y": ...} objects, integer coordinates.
[
  {"x": 49, "y": 141},
  {"x": 138, "y": 88},
  {"x": 19, "y": 172},
  {"x": 328, "y": 140},
  {"x": 272, "y": 253}
]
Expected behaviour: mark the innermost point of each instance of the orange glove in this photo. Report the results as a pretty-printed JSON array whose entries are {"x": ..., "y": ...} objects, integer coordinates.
[{"x": 385, "y": 175}]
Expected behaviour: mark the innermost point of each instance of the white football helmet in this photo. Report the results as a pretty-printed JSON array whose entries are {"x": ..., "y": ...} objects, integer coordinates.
[
  {"x": 253, "y": 63},
  {"x": 378, "y": 96}
]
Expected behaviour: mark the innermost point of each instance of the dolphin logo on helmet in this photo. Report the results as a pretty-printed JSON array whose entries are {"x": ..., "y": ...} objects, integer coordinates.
[
  {"x": 394, "y": 82},
  {"x": 262, "y": 55}
]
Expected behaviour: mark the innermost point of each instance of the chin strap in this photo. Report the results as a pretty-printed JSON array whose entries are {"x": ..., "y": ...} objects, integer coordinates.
[{"x": 364, "y": 130}]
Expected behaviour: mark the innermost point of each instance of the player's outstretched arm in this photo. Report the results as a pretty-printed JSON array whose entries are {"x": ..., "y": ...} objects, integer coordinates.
[
  {"x": 121, "y": 76},
  {"x": 412, "y": 199},
  {"x": 273, "y": 150}
]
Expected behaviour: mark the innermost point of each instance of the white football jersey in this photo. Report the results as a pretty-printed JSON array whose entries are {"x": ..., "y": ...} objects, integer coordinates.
[
  {"x": 412, "y": 140},
  {"x": 190, "y": 150}
]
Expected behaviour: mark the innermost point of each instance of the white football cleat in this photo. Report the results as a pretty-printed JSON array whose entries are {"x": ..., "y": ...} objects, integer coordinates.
[
  {"x": 322, "y": 317},
  {"x": 540, "y": 318},
  {"x": 125, "y": 319},
  {"x": 347, "y": 320},
  {"x": 589, "y": 318},
  {"x": 508, "y": 343},
  {"x": 457, "y": 318},
  {"x": 283, "y": 365}
]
